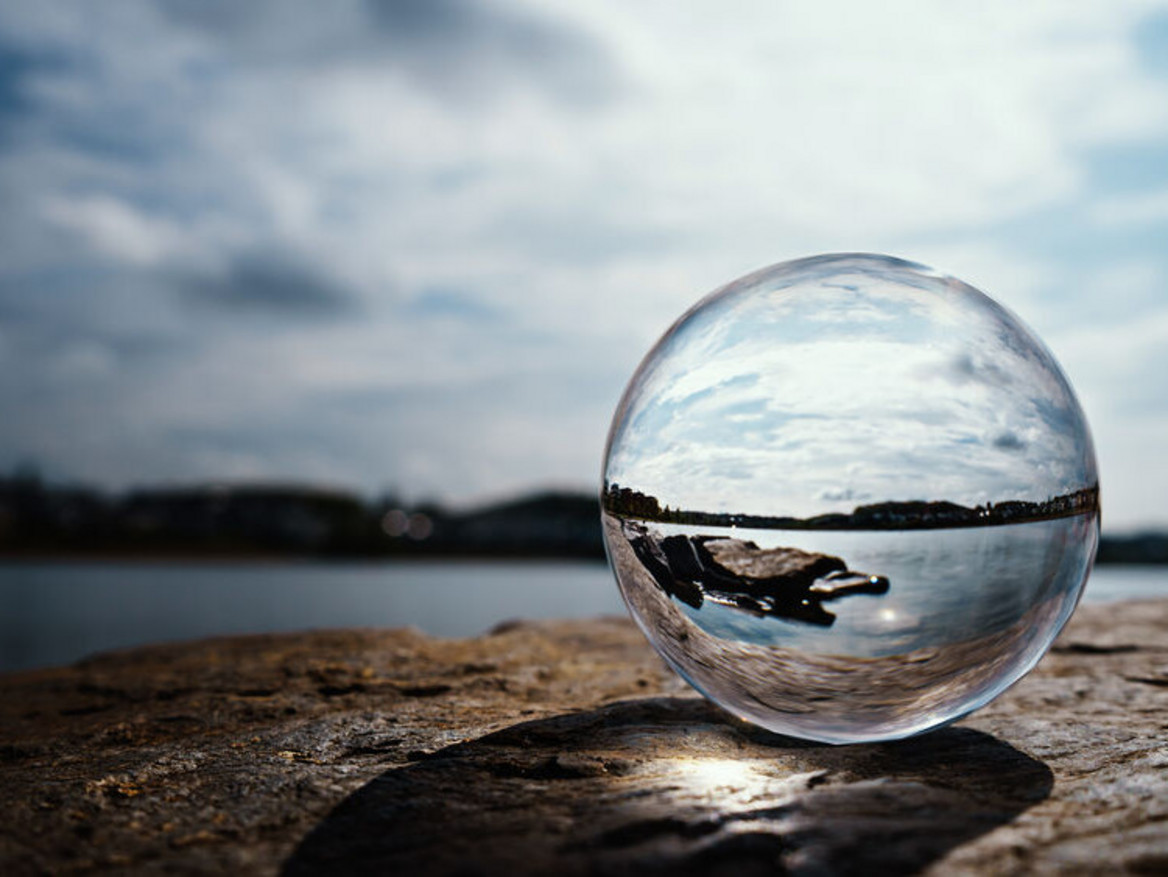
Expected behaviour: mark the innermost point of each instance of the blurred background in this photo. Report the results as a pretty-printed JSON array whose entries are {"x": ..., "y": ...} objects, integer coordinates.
[{"x": 313, "y": 294}]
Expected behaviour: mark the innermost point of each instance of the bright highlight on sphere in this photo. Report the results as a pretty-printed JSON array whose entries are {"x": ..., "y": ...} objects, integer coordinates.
[{"x": 849, "y": 498}]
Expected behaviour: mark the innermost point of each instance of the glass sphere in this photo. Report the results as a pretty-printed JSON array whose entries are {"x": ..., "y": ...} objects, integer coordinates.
[{"x": 850, "y": 499}]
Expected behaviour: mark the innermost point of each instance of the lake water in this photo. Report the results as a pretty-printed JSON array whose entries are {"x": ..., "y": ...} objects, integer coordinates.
[
  {"x": 851, "y": 635},
  {"x": 54, "y": 613},
  {"x": 947, "y": 585}
]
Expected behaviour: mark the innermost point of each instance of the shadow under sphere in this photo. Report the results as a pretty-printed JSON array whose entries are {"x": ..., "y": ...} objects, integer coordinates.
[{"x": 668, "y": 786}]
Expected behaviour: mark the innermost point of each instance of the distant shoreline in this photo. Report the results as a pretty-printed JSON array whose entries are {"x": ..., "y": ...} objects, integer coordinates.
[
  {"x": 1113, "y": 551},
  {"x": 41, "y": 523},
  {"x": 624, "y": 502},
  {"x": 289, "y": 560},
  {"x": 195, "y": 558}
]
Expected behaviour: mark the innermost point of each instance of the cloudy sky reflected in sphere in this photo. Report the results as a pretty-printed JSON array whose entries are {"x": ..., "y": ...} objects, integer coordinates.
[
  {"x": 832, "y": 382},
  {"x": 423, "y": 244}
]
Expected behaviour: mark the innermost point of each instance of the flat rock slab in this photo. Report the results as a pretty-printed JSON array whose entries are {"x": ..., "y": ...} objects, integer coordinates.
[{"x": 565, "y": 748}]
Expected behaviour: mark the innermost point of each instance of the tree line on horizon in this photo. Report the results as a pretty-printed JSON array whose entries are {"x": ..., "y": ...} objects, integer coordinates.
[
  {"x": 42, "y": 520},
  {"x": 257, "y": 520},
  {"x": 890, "y": 515}
]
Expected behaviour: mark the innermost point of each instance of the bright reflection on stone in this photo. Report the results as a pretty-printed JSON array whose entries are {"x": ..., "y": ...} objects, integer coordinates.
[
  {"x": 849, "y": 498},
  {"x": 707, "y": 775},
  {"x": 729, "y": 783}
]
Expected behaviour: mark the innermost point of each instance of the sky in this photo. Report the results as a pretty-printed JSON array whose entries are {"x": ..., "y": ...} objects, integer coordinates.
[
  {"x": 422, "y": 245},
  {"x": 843, "y": 380}
]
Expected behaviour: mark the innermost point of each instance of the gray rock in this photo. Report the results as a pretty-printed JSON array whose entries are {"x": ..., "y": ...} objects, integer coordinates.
[
  {"x": 564, "y": 747},
  {"x": 748, "y": 560}
]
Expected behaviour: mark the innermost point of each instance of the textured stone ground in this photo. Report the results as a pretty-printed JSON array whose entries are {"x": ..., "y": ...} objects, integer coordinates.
[{"x": 564, "y": 748}]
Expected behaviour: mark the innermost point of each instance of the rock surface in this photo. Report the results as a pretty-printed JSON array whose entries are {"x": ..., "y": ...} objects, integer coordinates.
[{"x": 568, "y": 748}]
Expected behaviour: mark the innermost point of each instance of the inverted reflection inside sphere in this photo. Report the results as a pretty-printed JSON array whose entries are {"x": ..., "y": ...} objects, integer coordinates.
[{"x": 848, "y": 498}]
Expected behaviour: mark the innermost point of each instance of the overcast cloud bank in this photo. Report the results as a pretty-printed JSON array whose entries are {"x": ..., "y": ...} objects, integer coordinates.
[{"x": 424, "y": 244}]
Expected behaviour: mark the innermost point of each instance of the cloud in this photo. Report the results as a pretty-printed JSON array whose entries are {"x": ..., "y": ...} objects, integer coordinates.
[
  {"x": 425, "y": 205},
  {"x": 1008, "y": 441},
  {"x": 964, "y": 368},
  {"x": 443, "y": 302},
  {"x": 1152, "y": 42},
  {"x": 269, "y": 284},
  {"x": 458, "y": 49},
  {"x": 1133, "y": 209},
  {"x": 115, "y": 228},
  {"x": 461, "y": 43},
  {"x": 15, "y": 65}
]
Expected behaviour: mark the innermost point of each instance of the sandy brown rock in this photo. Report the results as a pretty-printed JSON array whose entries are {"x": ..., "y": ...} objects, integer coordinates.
[{"x": 567, "y": 748}]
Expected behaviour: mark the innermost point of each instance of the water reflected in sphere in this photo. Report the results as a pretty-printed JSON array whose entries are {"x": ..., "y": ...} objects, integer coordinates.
[{"x": 849, "y": 498}]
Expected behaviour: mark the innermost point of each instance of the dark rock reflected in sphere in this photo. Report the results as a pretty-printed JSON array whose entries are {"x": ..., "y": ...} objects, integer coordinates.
[{"x": 849, "y": 498}]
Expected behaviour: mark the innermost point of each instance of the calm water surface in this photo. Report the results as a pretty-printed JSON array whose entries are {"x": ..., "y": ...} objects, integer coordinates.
[
  {"x": 53, "y": 613},
  {"x": 946, "y": 585}
]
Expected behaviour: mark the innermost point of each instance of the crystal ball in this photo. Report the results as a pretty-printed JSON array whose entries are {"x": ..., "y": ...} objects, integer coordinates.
[{"x": 849, "y": 498}]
